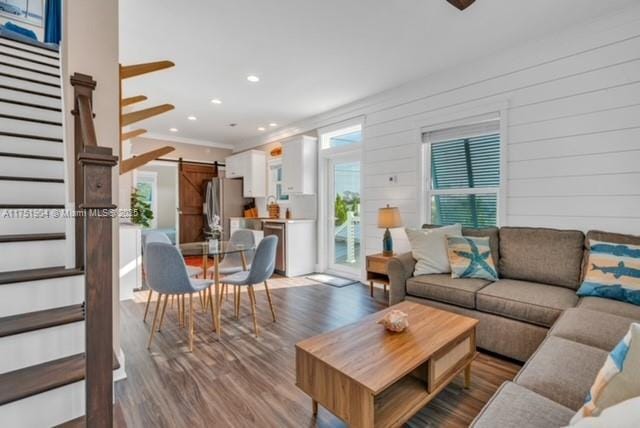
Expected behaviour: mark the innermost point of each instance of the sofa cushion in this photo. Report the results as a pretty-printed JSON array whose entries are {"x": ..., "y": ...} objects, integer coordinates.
[
  {"x": 531, "y": 302},
  {"x": 562, "y": 370},
  {"x": 618, "y": 379},
  {"x": 443, "y": 288},
  {"x": 493, "y": 233},
  {"x": 593, "y": 328},
  {"x": 514, "y": 406},
  {"x": 542, "y": 255},
  {"x": 609, "y": 306},
  {"x": 429, "y": 248}
]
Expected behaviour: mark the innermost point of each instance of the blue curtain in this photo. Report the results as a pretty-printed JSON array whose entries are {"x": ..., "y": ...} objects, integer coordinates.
[{"x": 53, "y": 22}]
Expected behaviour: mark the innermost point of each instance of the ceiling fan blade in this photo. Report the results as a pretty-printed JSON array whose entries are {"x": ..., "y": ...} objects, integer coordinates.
[{"x": 461, "y": 4}]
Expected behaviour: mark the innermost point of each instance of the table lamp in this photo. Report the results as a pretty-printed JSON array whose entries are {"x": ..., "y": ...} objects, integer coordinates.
[{"x": 388, "y": 218}]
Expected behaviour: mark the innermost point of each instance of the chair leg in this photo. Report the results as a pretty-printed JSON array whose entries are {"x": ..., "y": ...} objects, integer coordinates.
[
  {"x": 184, "y": 313},
  {"x": 155, "y": 321},
  {"x": 213, "y": 312},
  {"x": 179, "y": 311},
  {"x": 273, "y": 312},
  {"x": 221, "y": 298},
  {"x": 190, "y": 322},
  {"x": 202, "y": 302},
  {"x": 238, "y": 302},
  {"x": 252, "y": 299},
  {"x": 164, "y": 309},
  {"x": 146, "y": 308},
  {"x": 226, "y": 292}
]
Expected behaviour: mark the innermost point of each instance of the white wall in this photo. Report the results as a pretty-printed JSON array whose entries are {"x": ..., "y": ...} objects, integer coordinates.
[
  {"x": 573, "y": 135},
  {"x": 90, "y": 46}
]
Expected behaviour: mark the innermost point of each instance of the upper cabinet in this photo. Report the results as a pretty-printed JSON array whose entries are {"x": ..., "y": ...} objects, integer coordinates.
[
  {"x": 251, "y": 166},
  {"x": 299, "y": 165}
]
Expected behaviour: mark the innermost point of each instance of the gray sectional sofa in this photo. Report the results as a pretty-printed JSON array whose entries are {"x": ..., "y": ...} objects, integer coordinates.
[{"x": 531, "y": 314}]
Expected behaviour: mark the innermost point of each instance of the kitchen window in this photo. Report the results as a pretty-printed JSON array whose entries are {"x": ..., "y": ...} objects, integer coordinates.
[
  {"x": 464, "y": 179},
  {"x": 276, "y": 187},
  {"x": 342, "y": 137}
]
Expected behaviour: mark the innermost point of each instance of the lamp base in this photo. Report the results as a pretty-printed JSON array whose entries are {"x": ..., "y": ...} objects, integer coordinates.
[{"x": 387, "y": 244}]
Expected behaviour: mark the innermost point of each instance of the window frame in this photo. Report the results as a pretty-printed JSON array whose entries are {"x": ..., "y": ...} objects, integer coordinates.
[
  {"x": 499, "y": 112},
  {"x": 272, "y": 184}
]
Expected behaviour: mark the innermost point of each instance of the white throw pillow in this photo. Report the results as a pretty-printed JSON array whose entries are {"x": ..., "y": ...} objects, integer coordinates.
[
  {"x": 429, "y": 248},
  {"x": 622, "y": 415}
]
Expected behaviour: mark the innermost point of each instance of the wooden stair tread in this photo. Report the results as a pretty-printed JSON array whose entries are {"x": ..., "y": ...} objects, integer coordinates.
[
  {"x": 26, "y": 104},
  {"x": 29, "y": 119},
  {"x": 44, "y": 377},
  {"x": 33, "y": 179},
  {"x": 118, "y": 420},
  {"x": 37, "y": 274},
  {"x": 30, "y": 137},
  {"x": 31, "y": 321},
  {"x": 29, "y": 91},
  {"x": 6, "y": 45},
  {"x": 32, "y": 237},
  {"x": 27, "y": 156}
]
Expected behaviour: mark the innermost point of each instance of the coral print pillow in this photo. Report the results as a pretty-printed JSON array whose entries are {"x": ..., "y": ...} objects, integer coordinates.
[
  {"x": 471, "y": 258},
  {"x": 613, "y": 272}
]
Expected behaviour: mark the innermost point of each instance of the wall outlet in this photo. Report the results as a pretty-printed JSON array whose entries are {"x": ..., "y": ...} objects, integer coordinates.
[{"x": 393, "y": 179}]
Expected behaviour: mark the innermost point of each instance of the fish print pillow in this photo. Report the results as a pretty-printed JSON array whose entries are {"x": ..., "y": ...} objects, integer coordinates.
[
  {"x": 471, "y": 258},
  {"x": 613, "y": 272}
]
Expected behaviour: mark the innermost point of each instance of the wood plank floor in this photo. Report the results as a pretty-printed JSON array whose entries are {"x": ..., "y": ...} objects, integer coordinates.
[{"x": 241, "y": 381}]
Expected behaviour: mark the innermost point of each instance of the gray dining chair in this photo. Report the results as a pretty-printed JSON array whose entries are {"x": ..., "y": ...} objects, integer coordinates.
[
  {"x": 154, "y": 236},
  {"x": 233, "y": 262},
  {"x": 167, "y": 275},
  {"x": 262, "y": 267}
]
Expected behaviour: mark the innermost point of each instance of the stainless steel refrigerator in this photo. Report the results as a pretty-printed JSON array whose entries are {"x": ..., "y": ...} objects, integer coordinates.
[{"x": 223, "y": 200}]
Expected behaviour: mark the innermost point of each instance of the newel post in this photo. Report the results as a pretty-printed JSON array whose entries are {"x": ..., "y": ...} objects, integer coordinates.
[{"x": 83, "y": 85}]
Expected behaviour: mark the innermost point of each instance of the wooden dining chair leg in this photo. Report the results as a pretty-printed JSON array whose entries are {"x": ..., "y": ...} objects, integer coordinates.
[
  {"x": 202, "y": 302},
  {"x": 155, "y": 321},
  {"x": 146, "y": 308},
  {"x": 238, "y": 303},
  {"x": 164, "y": 308},
  {"x": 213, "y": 312},
  {"x": 221, "y": 298},
  {"x": 191, "y": 322},
  {"x": 226, "y": 292},
  {"x": 179, "y": 312},
  {"x": 273, "y": 312},
  {"x": 252, "y": 299},
  {"x": 184, "y": 312}
]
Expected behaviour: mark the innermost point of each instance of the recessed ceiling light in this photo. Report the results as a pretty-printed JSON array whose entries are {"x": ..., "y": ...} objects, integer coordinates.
[
  {"x": 192, "y": 118},
  {"x": 216, "y": 101},
  {"x": 273, "y": 124},
  {"x": 261, "y": 128},
  {"x": 253, "y": 78},
  {"x": 173, "y": 129}
]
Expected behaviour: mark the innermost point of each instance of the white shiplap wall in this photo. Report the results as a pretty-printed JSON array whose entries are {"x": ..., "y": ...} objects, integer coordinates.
[{"x": 573, "y": 134}]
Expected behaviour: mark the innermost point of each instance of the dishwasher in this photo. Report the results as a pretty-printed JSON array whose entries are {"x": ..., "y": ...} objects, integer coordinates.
[{"x": 279, "y": 230}]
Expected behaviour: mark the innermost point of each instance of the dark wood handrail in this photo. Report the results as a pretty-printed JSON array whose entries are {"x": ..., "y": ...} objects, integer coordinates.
[{"x": 94, "y": 251}]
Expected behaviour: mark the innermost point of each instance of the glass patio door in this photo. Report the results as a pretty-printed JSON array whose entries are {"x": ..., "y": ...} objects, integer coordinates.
[{"x": 344, "y": 226}]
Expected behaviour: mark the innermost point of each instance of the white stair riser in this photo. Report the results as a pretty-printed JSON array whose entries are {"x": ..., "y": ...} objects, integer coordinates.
[
  {"x": 48, "y": 409},
  {"x": 31, "y": 128},
  {"x": 31, "y": 86},
  {"x": 9, "y": 225},
  {"x": 50, "y": 77},
  {"x": 32, "y": 254},
  {"x": 28, "y": 55},
  {"x": 30, "y": 147},
  {"x": 24, "y": 167},
  {"x": 28, "y": 64},
  {"x": 30, "y": 112},
  {"x": 32, "y": 296},
  {"x": 31, "y": 193},
  {"x": 37, "y": 347},
  {"x": 29, "y": 98},
  {"x": 29, "y": 48}
]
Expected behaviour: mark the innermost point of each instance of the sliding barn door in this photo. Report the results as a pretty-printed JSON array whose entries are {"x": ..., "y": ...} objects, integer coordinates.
[{"x": 193, "y": 185}]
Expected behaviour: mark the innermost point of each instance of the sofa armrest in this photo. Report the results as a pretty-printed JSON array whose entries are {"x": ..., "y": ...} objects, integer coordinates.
[{"x": 400, "y": 269}]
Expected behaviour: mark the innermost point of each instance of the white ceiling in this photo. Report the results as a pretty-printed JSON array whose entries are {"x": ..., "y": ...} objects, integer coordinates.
[{"x": 311, "y": 55}]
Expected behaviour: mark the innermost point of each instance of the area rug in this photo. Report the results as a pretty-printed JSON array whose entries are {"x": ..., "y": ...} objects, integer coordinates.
[{"x": 334, "y": 281}]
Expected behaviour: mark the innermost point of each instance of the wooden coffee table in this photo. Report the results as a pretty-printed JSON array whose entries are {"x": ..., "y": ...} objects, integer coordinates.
[{"x": 369, "y": 377}]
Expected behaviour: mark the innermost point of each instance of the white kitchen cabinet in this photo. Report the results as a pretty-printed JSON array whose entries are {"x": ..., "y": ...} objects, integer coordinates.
[
  {"x": 299, "y": 159},
  {"x": 251, "y": 166},
  {"x": 296, "y": 253}
]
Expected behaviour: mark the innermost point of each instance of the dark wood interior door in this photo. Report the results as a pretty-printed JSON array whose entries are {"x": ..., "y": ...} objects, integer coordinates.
[{"x": 193, "y": 185}]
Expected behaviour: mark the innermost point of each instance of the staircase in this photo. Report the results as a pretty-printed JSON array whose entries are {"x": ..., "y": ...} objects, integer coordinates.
[{"x": 42, "y": 310}]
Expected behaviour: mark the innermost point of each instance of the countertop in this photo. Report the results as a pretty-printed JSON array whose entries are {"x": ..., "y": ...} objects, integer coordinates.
[{"x": 278, "y": 220}]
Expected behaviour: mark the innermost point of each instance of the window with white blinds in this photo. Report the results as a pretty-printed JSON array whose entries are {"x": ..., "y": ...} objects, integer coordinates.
[{"x": 464, "y": 182}]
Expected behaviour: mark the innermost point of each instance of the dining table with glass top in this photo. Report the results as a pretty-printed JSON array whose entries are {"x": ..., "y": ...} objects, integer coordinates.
[{"x": 215, "y": 250}]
